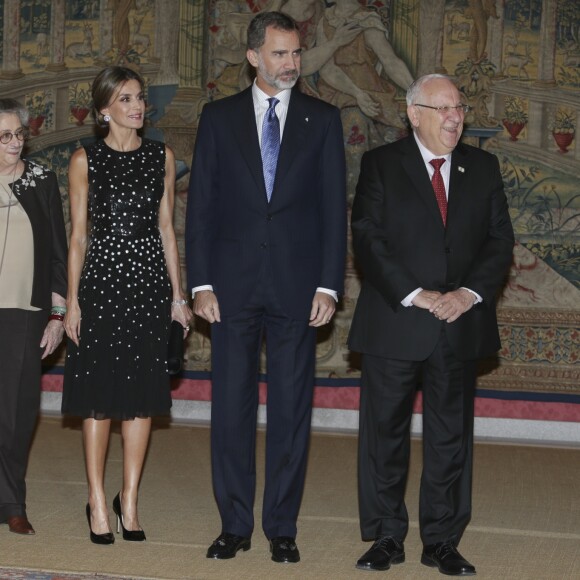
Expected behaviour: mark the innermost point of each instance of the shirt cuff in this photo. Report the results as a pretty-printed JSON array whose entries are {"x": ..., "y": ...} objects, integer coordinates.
[
  {"x": 408, "y": 301},
  {"x": 200, "y": 288},
  {"x": 327, "y": 291},
  {"x": 478, "y": 298}
]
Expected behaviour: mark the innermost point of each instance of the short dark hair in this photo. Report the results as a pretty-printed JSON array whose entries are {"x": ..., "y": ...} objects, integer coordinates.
[
  {"x": 258, "y": 25},
  {"x": 13, "y": 107},
  {"x": 105, "y": 86}
]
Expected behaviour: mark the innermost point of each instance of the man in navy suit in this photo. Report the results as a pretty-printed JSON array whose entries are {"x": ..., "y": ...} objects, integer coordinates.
[
  {"x": 434, "y": 243},
  {"x": 265, "y": 246}
]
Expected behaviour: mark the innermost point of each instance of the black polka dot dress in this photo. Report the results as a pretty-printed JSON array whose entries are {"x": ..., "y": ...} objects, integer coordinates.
[{"x": 119, "y": 370}]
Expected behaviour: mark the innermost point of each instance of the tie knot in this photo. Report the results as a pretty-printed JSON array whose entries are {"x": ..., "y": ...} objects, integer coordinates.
[
  {"x": 437, "y": 163},
  {"x": 273, "y": 101}
]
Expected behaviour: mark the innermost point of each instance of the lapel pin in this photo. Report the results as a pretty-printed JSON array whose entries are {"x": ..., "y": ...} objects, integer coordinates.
[
  {"x": 462, "y": 169},
  {"x": 306, "y": 119}
]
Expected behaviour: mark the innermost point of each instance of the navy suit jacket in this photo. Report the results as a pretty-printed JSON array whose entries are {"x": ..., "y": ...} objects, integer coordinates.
[
  {"x": 230, "y": 225},
  {"x": 401, "y": 244}
]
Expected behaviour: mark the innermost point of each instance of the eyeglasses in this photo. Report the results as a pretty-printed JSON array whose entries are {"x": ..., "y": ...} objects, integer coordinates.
[
  {"x": 21, "y": 135},
  {"x": 447, "y": 109}
]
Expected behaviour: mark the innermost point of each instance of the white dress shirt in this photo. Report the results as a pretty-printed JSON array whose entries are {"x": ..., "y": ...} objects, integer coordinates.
[{"x": 445, "y": 173}]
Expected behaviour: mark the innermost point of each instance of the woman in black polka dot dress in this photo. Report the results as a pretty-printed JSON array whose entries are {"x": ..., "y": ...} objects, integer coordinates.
[{"x": 124, "y": 288}]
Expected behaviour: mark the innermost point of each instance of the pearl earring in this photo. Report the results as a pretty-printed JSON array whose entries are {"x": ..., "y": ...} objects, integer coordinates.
[{"x": 107, "y": 118}]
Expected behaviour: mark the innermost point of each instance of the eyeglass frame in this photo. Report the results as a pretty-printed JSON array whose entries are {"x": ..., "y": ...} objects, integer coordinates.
[
  {"x": 446, "y": 109},
  {"x": 21, "y": 135}
]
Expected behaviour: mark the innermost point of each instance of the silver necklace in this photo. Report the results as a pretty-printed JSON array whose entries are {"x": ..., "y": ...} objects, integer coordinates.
[{"x": 10, "y": 193}]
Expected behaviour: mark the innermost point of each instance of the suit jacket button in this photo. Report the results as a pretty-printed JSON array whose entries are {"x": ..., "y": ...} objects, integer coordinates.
[
  {"x": 263, "y": 245},
  {"x": 448, "y": 250},
  {"x": 269, "y": 217}
]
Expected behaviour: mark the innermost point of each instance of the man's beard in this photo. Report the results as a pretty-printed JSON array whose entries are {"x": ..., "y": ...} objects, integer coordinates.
[{"x": 274, "y": 80}]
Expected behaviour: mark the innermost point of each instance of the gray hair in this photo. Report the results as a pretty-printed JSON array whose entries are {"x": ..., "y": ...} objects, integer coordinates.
[
  {"x": 13, "y": 107},
  {"x": 258, "y": 25},
  {"x": 415, "y": 89}
]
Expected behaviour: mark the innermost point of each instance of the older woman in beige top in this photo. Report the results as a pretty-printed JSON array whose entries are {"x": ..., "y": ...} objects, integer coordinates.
[{"x": 32, "y": 288}]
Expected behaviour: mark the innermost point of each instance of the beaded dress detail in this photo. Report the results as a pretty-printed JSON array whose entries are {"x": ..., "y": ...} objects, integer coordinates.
[{"x": 119, "y": 370}]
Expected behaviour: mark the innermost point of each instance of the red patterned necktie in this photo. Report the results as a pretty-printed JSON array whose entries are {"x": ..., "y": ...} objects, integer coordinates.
[{"x": 439, "y": 187}]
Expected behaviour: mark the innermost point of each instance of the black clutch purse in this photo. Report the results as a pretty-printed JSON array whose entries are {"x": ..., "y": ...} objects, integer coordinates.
[{"x": 175, "y": 348}]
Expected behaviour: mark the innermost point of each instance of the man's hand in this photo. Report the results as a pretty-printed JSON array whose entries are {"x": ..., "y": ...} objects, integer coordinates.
[
  {"x": 425, "y": 299},
  {"x": 345, "y": 34},
  {"x": 323, "y": 307},
  {"x": 206, "y": 306},
  {"x": 452, "y": 305},
  {"x": 367, "y": 105}
]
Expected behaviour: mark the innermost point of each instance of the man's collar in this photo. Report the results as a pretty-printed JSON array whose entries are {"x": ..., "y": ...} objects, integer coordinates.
[
  {"x": 428, "y": 155},
  {"x": 260, "y": 96}
]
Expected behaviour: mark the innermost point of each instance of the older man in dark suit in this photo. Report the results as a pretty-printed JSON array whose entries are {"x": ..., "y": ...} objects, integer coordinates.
[
  {"x": 433, "y": 237},
  {"x": 265, "y": 244}
]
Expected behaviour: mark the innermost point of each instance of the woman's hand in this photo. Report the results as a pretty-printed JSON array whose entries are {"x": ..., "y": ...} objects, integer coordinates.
[
  {"x": 183, "y": 314},
  {"x": 72, "y": 322},
  {"x": 51, "y": 337}
]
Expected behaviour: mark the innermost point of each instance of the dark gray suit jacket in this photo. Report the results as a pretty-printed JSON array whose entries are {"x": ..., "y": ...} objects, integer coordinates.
[{"x": 400, "y": 244}]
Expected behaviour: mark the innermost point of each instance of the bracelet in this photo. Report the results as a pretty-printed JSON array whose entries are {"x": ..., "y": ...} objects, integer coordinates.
[
  {"x": 181, "y": 302},
  {"x": 56, "y": 317},
  {"x": 58, "y": 310}
]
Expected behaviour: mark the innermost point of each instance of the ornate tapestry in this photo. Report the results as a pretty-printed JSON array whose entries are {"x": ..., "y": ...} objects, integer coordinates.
[{"x": 517, "y": 63}]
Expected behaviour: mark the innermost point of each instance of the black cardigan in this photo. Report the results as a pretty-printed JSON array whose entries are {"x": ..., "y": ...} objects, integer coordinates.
[{"x": 38, "y": 193}]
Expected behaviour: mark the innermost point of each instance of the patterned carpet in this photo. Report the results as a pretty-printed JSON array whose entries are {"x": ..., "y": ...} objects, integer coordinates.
[
  {"x": 22, "y": 574},
  {"x": 526, "y": 509}
]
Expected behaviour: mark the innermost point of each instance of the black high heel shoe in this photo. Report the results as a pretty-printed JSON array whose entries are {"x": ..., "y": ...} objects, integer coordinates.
[
  {"x": 102, "y": 539},
  {"x": 129, "y": 535}
]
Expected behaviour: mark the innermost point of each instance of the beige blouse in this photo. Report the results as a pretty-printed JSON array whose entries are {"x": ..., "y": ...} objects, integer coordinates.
[{"x": 16, "y": 242}]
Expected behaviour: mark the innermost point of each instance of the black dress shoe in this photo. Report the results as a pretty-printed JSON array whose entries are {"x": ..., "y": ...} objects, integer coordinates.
[
  {"x": 284, "y": 549},
  {"x": 445, "y": 556},
  {"x": 20, "y": 525},
  {"x": 226, "y": 545},
  {"x": 384, "y": 552}
]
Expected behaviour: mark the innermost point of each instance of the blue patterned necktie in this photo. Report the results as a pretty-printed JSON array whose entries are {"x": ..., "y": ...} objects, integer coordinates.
[{"x": 270, "y": 145}]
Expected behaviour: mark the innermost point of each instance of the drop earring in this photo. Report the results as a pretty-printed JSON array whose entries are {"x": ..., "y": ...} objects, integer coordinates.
[{"x": 107, "y": 118}]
